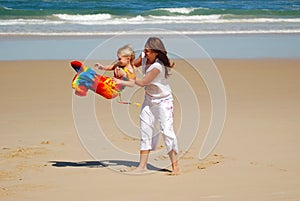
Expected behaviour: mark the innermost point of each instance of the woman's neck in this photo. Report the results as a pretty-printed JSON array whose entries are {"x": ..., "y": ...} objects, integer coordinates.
[{"x": 150, "y": 61}]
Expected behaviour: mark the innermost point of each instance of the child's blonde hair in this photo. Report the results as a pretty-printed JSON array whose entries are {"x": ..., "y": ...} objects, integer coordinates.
[{"x": 127, "y": 51}]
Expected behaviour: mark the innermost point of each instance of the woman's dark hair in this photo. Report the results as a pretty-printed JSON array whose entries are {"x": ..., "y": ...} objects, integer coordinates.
[{"x": 157, "y": 46}]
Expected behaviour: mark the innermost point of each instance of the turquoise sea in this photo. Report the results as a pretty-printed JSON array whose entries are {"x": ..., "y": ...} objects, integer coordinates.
[
  {"x": 71, "y": 29},
  {"x": 105, "y": 17}
]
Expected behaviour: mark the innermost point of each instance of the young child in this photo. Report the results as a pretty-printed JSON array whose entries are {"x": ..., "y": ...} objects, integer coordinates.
[
  {"x": 86, "y": 78},
  {"x": 124, "y": 68}
]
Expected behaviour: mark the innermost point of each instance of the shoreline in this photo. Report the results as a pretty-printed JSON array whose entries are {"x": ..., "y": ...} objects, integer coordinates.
[
  {"x": 140, "y": 33},
  {"x": 227, "y": 46},
  {"x": 21, "y": 36}
]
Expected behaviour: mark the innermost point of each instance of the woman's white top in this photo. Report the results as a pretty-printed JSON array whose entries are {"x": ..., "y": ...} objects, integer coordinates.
[{"x": 159, "y": 87}]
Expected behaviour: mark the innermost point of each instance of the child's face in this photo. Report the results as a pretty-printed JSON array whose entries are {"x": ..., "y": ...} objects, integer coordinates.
[{"x": 123, "y": 61}]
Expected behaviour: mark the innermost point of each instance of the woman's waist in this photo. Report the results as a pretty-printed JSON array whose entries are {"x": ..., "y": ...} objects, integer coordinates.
[
  {"x": 157, "y": 90},
  {"x": 157, "y": 99}
]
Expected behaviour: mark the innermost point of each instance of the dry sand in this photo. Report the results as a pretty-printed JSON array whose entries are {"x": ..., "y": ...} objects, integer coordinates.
[{"x": 257, "y": 157}]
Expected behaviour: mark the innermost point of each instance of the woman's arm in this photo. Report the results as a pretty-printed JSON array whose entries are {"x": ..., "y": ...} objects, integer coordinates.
[
  {"x": 138, "y": 62},
  {"x": 148, "y": 78},
  {"x": 128, "y": 83}
]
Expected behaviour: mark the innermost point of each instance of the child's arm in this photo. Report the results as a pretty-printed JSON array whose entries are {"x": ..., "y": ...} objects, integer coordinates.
[{"x": 101, "y": 67}]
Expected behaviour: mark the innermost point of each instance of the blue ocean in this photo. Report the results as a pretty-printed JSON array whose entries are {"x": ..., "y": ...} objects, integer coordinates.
[{"x": 107, "y": 17}]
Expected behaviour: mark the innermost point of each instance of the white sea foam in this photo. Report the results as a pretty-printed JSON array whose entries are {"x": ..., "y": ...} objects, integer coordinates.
[
  {"x": 130, "y": 33},
  {"x": 107, "y": 19},
  {"x": 95, "y": 17},
  {"x": 191, "y": 18},
  {"x": 178, "y": 10},
  {"x": 64, "y": 24},
  {"x": 6, "y": 8},
  {"x": 259, "y": 20},
  {"x": 28, "y": 22}
]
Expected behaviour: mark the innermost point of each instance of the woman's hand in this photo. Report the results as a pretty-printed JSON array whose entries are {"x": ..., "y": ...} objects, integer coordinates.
[
  {"x": 116, "y": 80},
  {"x": 128, "y": 83},
  {"x": 119, "y": 72}
]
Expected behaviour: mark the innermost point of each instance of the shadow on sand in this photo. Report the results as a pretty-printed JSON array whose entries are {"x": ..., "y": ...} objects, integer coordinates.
[{"x": 103, "y": 164}]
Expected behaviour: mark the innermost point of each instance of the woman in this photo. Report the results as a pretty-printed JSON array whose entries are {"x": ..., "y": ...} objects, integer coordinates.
[{"x": 157, "y": 111}]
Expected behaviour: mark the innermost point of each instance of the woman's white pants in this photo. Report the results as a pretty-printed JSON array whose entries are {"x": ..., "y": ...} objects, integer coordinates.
[{"x": 157, "y": 116}]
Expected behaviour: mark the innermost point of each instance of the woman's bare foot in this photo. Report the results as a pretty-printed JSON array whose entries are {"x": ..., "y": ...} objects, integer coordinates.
[
  {"x": 138, "y": 170},
  {"x": 174, "y": 161},
  {"x": 175, "y": 171}
]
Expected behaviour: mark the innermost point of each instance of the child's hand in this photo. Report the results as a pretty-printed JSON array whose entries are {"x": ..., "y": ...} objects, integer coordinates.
[{"x": 100, "y": 66}]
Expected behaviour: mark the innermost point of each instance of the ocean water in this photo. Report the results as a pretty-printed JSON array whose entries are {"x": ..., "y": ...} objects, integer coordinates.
[{"x": 109, "y": 17}]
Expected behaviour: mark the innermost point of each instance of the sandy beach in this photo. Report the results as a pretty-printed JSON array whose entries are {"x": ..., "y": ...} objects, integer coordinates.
[
  {"x": 257, "y": 157},
  {"x": 235, "y": 87}
]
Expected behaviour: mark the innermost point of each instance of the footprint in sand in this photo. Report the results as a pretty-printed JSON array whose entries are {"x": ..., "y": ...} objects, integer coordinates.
[
  {"x": 210, "y": 161},
  {"x": 24, "y": 152},
  {"x": 203, "y": 164},
  {"x": 255, "y": 163}
]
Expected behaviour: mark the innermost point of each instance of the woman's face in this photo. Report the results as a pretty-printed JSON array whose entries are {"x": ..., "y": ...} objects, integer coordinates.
[{"x": 150, "y": 54}]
